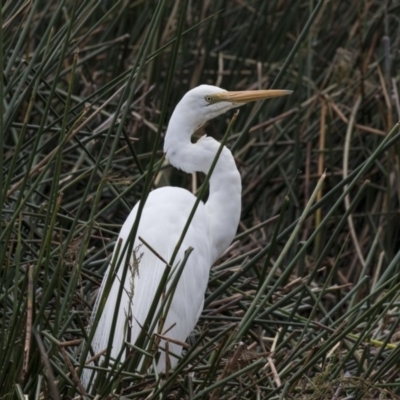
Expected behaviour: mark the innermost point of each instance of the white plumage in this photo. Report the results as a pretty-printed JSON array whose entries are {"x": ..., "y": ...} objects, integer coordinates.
[{"x": 163, "y": 219}]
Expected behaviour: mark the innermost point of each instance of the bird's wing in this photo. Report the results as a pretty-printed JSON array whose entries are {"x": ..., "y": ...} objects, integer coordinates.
[{"x": 163, "y": 219}]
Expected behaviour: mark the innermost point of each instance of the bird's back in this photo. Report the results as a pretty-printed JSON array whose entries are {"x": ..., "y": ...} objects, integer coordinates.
[{"x": 162, "y": 222}]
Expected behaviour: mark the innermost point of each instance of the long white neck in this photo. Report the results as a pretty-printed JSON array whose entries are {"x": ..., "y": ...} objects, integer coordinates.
[{"x": 224, "y": 200}]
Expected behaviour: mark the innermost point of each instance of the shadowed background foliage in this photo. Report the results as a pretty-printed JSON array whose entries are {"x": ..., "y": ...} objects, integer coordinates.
[{"x": 305, "y": 302}]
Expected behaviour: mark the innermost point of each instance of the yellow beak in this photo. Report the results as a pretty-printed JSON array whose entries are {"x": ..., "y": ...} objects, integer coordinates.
[{"x": 250, "y": 95}]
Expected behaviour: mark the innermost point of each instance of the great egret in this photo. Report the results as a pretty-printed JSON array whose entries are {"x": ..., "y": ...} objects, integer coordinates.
[{"x": 164, "y": 216}]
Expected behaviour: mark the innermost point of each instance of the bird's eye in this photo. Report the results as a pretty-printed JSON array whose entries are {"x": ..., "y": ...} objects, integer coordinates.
[{"x": 208, "y": 99}]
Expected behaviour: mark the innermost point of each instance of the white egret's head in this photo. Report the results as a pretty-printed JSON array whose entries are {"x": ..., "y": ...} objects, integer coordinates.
[
  {"x": 197, "y": 107},
  {"x": 206, "y": 102}
]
